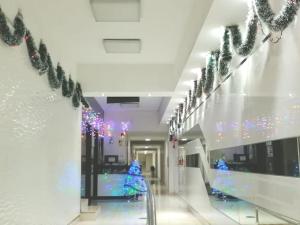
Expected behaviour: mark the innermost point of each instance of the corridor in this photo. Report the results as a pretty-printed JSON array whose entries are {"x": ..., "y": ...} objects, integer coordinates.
[{"x": 200, "y": 95}]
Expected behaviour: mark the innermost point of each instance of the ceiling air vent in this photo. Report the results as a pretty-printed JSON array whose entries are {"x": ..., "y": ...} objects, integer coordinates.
[
  {"x": 123, "y": 100},
  {"x": 116, "y": 10},
  {"x": 122, "y": 45}
]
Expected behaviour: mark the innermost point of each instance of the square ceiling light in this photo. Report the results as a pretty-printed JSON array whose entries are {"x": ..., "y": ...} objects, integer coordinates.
[
  {"x": 116, "y": 10},
  {"x": 122, "y": 45}
]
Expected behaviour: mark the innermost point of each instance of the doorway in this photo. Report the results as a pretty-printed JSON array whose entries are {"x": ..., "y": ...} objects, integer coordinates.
[{"x": 148, "y": 161}]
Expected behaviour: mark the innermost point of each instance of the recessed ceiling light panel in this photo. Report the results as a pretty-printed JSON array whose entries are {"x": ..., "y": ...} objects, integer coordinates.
[
  {"x": 116, "y": 10},
  {"x": 122, "y": 45}
]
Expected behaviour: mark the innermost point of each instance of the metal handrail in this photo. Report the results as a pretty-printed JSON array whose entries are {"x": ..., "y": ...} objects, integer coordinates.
[{"x": 151, "y": 206}]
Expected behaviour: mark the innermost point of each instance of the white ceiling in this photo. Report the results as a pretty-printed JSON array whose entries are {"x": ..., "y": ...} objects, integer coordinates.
[
  {"x": 167, "y": 30},
  {"x": 146, "y": 104},
  {"x": 71, "y": 24}
]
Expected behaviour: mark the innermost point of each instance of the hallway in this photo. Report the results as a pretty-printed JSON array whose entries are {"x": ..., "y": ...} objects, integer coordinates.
[{"x": 200, "y": 95}]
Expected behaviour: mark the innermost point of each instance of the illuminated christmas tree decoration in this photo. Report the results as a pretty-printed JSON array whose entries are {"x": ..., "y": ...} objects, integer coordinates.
[{"x": 134, "y": 182}]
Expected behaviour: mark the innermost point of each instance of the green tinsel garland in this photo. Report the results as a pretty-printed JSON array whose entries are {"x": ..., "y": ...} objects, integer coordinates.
[
  {"x": 201, "y": 83},
  {"x": 281, "y": 21},
  {"x": 185, "y": 106},
  {"x": 190, "y": 101},
  {"x": 76, "y": 96},
  {"x": 180, "y": 112},
  {"x": 219, "y": 61},
  {"x": 210, "y": 72},
  {"x": 54, "y": 80},
  {"x": 194, "y": 98},
  {"x": 226, "y": 55},
  {"x": 44, "y": 57},
  {"x": 40, "y": 59},
  {"x": 82, "y": 99},
  {"x": 19, "y": 29},
  {"x": 34, "y": 54},
  {"x": 60, "y": 74},
  {"x": 71, "y": 87},
  {"x": 67, "y": 87},
  {"x": 240, "y": 47},
  {"x": 64, "y": 87},
  {"x": 217, "y": 54}
]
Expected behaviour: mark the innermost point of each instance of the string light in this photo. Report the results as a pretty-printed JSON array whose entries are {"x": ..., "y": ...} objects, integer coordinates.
[{"x": 96, "y": 121}]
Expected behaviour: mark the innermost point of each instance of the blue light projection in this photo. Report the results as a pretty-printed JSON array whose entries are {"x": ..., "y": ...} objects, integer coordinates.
[{"x": 134, "y": 182}]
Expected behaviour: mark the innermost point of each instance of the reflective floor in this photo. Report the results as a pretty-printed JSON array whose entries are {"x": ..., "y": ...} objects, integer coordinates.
[{"x": 170, "y": 210}]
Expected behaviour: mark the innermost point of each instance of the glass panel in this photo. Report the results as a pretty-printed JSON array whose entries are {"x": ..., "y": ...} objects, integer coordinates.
[
  {"x": 278, "y": 157},
  {"x": 241, "y": 211}
]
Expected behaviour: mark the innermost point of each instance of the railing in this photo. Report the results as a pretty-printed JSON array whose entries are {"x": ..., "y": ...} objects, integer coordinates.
[{"x": 151, "y": 207}]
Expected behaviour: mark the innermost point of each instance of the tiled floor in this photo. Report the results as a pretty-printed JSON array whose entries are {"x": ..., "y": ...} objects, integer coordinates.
[
  {"x": 170, "y": 210},
  {"x": 119, "y": 212}
]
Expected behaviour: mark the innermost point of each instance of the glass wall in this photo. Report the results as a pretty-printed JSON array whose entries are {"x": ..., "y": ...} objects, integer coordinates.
[
  {"x": 244, "y": 212},
  {"x": 278, "y": 157}
]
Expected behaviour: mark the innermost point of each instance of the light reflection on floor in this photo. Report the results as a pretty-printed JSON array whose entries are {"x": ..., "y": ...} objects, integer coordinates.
[
  {"x": 170, "y": 210},
  {"x": 120, "y": 212}
]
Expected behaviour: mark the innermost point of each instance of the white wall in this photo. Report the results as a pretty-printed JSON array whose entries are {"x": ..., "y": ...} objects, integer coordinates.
[{"x": 39, "y": 147}]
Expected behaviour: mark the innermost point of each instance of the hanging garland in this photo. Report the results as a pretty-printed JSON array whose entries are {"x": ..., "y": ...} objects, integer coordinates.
[
  {"x": 33, "y": 53},
  {"x": 40, "y": 58},
  {"x": 67, "y": 87},
  {"x": 210, "y": 71},
  {"x": 201, "y": 83},
  {"x": 54, "y": 79},
  {"x": 226, "y": 55},
  {"x": 19, "y": 29},
  {"x": 194, "y": 98},
  {"x": 44, "y": 57},
  {"x": 185, "y": 107},
  {"x": 281, "y": 21},
  {"x": 240, "y": 47},
  {"x": 190, "y": 100},
  {"x": 80, "y": 95},
  {"x": 180, "y": 112},
  {"x": 217, "y": 54},
  {"x": 220, "y": 61},
  {"x": 76, "y": 96}
]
